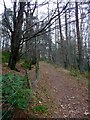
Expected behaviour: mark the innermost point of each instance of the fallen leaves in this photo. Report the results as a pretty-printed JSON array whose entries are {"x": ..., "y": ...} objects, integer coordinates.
[
  {"x": 62, "y": 107},
  {"x": 86, "y": 113},
  {"x": 40, "y": 102}
]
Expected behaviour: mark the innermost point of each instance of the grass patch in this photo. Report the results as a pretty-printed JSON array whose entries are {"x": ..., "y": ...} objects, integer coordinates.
[
  {"x": 5, "y": 56},
  {"x": 40, "y": 108},
  {"x": 74, "y": 72}
]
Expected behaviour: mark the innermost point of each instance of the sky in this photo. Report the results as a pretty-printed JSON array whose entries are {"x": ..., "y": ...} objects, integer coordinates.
[{"x": 8, "y": 3}]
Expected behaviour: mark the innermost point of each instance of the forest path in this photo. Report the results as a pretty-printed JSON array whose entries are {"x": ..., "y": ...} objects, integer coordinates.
[
  {"x": 70, "y": 97},
  {"x": 62, "y": 93}
]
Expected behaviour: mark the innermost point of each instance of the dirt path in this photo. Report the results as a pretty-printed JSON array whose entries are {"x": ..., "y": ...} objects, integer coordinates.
[{"x": 70, "y": 98}]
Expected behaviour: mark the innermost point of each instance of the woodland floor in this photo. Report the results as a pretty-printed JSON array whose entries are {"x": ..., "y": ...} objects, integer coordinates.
[{"x": 62, "y": 94}]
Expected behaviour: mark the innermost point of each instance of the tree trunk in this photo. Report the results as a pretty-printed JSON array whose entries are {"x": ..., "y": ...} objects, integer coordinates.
[
  {"x": 14, "y": 53},
  {"x": 80, "y": 59},
  {"x": 16, "y": 36},
  {"x": 66, "y": 32},
  {"x": 49, "y": 38},
  {"x": 13, "y": 59},
  {"x": 61, "y": 37}
]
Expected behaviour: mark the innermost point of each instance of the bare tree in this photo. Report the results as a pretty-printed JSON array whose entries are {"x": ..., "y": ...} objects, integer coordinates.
[
  {"x": 16, "y": 34},
  {"x": 61, "y": 38},
  {"x": 19, "y": 35},
  {"x": 66, "y": 32},
  {"x": 49, "y": 37},
  {"x": 80, "y": 59}
]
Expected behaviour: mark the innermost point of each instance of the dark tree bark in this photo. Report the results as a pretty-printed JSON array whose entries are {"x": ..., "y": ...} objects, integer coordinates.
[
  {"x": 61, "y": 37},
  {"x": 16, "y": 35},
  {"x": 80, "y": 59},
  {"x": 49, "y": 37},
  {"x": 66, "y": 32}
]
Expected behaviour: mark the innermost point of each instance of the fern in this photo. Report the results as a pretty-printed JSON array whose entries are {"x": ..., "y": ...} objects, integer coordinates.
[{"x": 13, "y": 89}]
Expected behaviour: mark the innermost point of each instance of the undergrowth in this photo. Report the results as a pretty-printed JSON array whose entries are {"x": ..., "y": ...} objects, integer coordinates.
[
  {"x": 74, "y": 72},
  {"x": 15, "y": 90},
  {"x": 5, "y": 56},
  {"x": 25, "y": 64},
  {"x": 40, "y": 108}
]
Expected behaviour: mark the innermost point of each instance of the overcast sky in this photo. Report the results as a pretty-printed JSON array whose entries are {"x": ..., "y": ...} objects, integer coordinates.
[{"x": 9, "y": 4}]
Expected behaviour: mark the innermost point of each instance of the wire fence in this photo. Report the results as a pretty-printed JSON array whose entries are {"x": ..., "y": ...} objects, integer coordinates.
[{"x": 6, "y": 108}]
